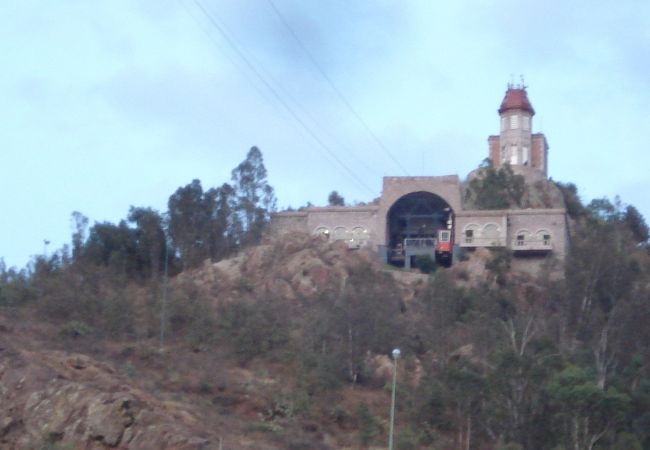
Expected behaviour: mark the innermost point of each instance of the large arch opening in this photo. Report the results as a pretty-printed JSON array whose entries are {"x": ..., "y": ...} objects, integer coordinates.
[{"x": 413, "y": 225}]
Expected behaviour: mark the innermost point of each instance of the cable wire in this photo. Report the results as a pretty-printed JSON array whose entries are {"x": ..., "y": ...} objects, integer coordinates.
[
  {"x": 334, "y": 88},
  {"x": 293, "y": 114}
]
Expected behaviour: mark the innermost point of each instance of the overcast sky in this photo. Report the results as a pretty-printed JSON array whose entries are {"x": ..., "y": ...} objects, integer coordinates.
[{"x": 107, "y": 104}]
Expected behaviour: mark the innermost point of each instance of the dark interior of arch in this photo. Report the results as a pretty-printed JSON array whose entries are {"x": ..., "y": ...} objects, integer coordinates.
[{"x": 416, "y": 215}]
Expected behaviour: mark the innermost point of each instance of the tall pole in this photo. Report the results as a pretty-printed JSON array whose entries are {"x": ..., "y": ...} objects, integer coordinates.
[
  {"x": 396, "y": 354},
  {"x": 164, "y": 299}
]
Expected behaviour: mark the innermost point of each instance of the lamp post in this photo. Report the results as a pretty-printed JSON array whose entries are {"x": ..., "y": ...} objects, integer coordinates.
[{"x": 396, "y": 354}]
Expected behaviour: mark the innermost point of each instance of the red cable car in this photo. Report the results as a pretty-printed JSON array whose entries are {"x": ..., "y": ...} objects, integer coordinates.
[{"x": 444, "y": 247}]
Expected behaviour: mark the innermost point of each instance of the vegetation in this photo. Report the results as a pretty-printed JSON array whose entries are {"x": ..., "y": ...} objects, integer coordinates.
[
  {"x": 495, "y": 188},
  {"x": 512, "y": 362},
  {"x": 335, "y": 199}
]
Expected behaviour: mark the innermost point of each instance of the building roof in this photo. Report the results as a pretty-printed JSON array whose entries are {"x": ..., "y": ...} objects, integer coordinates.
[{"x": 516, "y": 98}]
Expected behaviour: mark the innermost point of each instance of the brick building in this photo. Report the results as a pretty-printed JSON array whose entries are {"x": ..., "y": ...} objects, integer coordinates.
[{"x": 412, "y": 211}]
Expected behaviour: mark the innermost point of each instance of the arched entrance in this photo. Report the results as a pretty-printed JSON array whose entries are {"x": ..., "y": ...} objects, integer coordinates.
[{"x": 412, "y": 227}]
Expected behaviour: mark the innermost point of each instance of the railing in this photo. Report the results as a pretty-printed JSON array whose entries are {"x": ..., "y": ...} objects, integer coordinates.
[
  {"x": 419, "y": 243},
  {"x": 535, "y": 244},
  {"x": 474, "y": 241}
]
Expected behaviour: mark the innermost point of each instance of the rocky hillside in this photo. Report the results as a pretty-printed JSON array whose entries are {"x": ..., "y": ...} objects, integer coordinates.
[
  {"x": 62, "y": 385},
  {"x": 285, "y": 346}
]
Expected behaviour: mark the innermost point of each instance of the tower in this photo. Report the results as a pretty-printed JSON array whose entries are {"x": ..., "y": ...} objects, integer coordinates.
[{"x": 516, "y": 144}]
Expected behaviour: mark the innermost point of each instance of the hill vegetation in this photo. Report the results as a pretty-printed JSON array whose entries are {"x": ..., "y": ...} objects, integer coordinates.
[{"x": 283, "y": 343}]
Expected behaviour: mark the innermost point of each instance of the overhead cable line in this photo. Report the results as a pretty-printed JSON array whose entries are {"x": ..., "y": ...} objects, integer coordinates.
[
  {"x": 293, "y": 114},
  {"x": 334, "y": 88},
  {"x": 227, "y": 56}
]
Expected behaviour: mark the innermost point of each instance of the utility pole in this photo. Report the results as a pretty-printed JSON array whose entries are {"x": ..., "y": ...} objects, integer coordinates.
[{"x": 163, "y": 305}]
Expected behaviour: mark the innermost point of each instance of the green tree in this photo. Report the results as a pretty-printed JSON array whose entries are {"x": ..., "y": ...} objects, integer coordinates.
[
  {"x": 495, "y": 189},
  {"x": 368, "y": 425},
  {"x": 572, "y": 201},
  {"x": 150, "y": 240},
  {"x": 80, "y": 226},
  {"x": 636, "y": 223},
  {"x": 255, "y": 197},
  {"x": 112, "y": 246},
  {"x": 335, "y": 199},
  {"x": 583, "y": 410},
  {"x": 189, "y": 223}
]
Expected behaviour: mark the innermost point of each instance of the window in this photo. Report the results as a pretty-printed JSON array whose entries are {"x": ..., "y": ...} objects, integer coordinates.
[
  {"x": 444, "y": 236},
  {"x": 504, "y": 123},
  {"x": 514, "y": 122},
  {"x": 491, "y": 230},
  {"x": 543, "y": 237},
  {"x": 340, "y": 233},
  {"x": 526, "y": 124},
  {"x": 523, "y": 238},
  {"x": 524, "y": 156},
  {"x": 359, "y": 236},
  {"x": 322, "y": 231},
  {"x": 514, "y": 155}
]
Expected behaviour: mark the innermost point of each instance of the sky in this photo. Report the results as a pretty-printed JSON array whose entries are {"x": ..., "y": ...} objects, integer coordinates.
[{"x": 108, "y": 104}]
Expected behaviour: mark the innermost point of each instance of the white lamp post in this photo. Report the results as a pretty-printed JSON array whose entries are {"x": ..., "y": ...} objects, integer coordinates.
[{"x": 396, "y": 354}]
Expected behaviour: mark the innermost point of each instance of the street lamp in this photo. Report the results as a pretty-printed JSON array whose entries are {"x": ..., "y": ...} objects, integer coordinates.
[{"x": 396, "y": 354}]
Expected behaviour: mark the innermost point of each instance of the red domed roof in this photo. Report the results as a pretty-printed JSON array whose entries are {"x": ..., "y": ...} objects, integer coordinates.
[{"x": 516, "y": 98}]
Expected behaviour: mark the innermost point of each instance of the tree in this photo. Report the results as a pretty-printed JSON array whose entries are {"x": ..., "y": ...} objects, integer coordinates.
[
  {"x": 112, "y": 246},
  {"x": 584, "y": 411},
  {"x": 188, "y": 223},
  {"x": 335, "y": 199},
  {"x": 572, "y": 201},
  {"x": 225, "y": 229},
  {"x": 150, "y": 240},
  {"x": 636, "y": 223},
  {"x": 496, "y": 189},
  {"x": 255, "y": 197},
  {"x": 80, "y": 225}
]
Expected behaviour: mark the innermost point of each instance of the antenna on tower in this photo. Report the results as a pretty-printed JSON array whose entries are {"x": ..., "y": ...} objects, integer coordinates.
[
  {"x": 523, "y": 85},
  {"x": 511, "y": 84}
]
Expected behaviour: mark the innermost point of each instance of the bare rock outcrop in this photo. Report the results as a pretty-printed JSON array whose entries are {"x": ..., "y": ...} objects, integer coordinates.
[
  {"x": 291, "y": 267},
  {"x": 48, "y": 397}
]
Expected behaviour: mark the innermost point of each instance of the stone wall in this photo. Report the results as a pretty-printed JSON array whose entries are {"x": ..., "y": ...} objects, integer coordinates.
[
  {"x": 288, "y": 221},
  {"x": 529, "y": 233},
  {"x": 539, "y": 153},
  {"x": 488, "y": 228},
  {"x": 501, "y": 228}
]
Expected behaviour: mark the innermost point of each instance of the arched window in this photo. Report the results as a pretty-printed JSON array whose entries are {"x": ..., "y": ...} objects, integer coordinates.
[
  {"x": 359, "y": 236},
  {"x": 322, "y": 231},
  {"x": 490, "y": 231},
  {"x": 543, "y": 237},
  {"x": 470, "y": 233},
  {"x": 340, "y": 233},
  {"x": 522, "y": 237}
]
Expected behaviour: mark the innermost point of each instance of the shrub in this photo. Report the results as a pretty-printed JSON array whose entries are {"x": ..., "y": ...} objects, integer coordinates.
[
  {"x": 76, "y": 329},
  {"x": 368, "y": 424}
]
